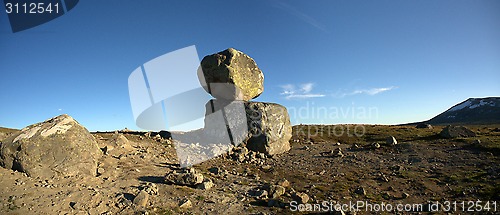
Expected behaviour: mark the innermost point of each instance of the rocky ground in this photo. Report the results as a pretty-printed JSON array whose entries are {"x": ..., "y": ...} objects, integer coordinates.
[{"x": 138, "y": 173}]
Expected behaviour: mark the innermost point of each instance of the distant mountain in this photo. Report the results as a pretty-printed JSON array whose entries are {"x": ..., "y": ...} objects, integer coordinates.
[{"x": 471, "y": 111}]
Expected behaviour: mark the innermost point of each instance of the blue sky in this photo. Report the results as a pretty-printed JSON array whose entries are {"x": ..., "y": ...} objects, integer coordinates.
[{"x": 396, "y": 61}]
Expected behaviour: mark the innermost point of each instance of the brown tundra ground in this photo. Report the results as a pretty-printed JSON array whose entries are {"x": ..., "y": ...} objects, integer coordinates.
[{"x": 421, "y": 168}]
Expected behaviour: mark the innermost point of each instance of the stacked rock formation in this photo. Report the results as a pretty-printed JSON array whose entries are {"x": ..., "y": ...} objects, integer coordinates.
[{"x": 234, "y": 78}]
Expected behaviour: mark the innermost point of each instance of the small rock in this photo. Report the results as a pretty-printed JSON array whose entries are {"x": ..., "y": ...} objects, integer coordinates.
[
  {"x": 266, "y": 167},
  {"x": 206, "y": 185},
  {"x": 405, "y": 195},
  {"x": 186, "y": 177},
  {"x": 215, "y": 170},
  {"x": 283, "y": 182},
  {"x": 391, "y": 141},
  {"x": 261, "y": 155},
  {"x": 477, "y": 142},
  {"x": 141, "y": 199},
  {"x": 185, "y": 203},
  {"x": 423, "y": 125},
  {"x": 397, "y": 168},
  {"x": 76, "y": 206},
  {"x": 105, "y": 150},
  {"x": 387, "y": 196},
  {"x": 100, "y": 171},
  {"x": 150, "y": 188},
  {"x": 276, "y": 191},
  {"x": 376, "y": 145},
  {"x": 259, "y": 194},
  {"x": 240, "y": 154},
  {"x": 383, "y": 177},
  {"x": 157, "y": 138},
  {"x": 338, "y": 153},
  {"x": 360, "y": 191},
  {"x": 301, "y": 198},
  {"x": 340, "y": 212}
]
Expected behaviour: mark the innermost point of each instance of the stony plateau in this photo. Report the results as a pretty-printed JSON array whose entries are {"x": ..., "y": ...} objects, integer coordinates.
[{"x": 140, "y": 174}]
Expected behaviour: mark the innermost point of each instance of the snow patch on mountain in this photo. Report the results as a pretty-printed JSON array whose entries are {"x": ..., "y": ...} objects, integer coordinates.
[
  {"x": 470, "y": 105},
  {"x": 461, "y": 106}
]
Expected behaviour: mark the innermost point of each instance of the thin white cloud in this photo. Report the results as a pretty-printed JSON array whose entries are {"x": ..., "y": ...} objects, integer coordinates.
[
  {"x": 302, "y": 16},
  {"x": 290, "y": 91},
  {"x": 370, "y": 92},
  {"x": 307, "y": 87},
  {"x": 373, "y": 91}
]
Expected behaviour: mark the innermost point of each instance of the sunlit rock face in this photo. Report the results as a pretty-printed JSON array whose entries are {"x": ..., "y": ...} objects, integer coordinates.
[{"x": 59, "y": 146}]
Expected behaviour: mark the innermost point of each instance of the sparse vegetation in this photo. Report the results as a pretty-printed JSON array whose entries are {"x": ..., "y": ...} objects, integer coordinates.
[{"x": 422, "y": 167}]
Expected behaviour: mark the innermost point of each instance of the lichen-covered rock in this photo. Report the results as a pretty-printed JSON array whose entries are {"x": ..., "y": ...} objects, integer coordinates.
[
  {"x": 231, "y": 75},
  {"x": 269, "y": 126},
  {"x": 264, "y": 127},
  {"x": 59, "y": 146},
  {"x": 451, "y": 131}
]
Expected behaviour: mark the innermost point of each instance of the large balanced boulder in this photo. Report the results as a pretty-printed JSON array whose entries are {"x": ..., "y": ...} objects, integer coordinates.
[
  {"x": 452, "y": 131},
  {"x": 231, "y": 75},
  {"x": 59, "y": 146},
  {"x": 267, "y": 125}
]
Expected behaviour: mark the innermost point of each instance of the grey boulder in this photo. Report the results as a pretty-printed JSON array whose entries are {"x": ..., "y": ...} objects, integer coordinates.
[
  {"x": 59, "y": 146},
  {"x": 264, "y": 127},
  {"x": 452, "y": 131}
]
